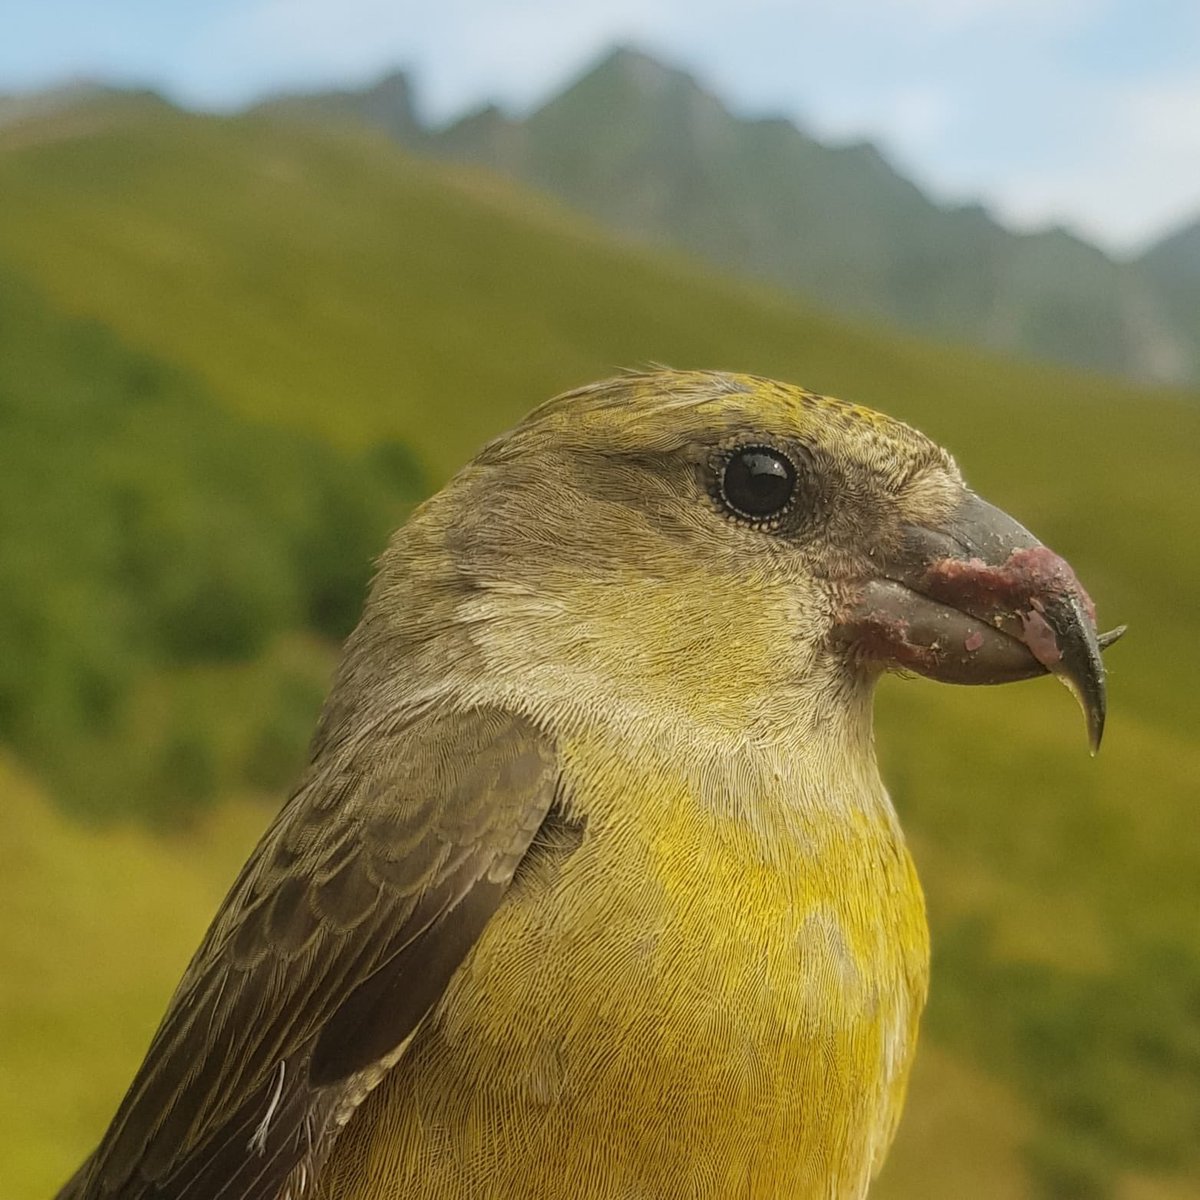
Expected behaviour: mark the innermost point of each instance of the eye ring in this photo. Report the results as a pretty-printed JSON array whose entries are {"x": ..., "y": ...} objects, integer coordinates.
[{"x": 756, "y": 483}]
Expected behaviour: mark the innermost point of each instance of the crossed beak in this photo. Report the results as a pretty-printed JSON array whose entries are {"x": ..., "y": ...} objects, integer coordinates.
[{"x": 981, "y": 600}]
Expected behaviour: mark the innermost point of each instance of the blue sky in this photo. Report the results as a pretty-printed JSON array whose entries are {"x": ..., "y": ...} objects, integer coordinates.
[{"x": 1083, "y": 112}]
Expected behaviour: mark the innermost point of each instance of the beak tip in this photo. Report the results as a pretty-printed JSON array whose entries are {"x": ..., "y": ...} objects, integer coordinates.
[
  {"x": 1095, "y": 708},
  {"x": 1093, "y": 701}
]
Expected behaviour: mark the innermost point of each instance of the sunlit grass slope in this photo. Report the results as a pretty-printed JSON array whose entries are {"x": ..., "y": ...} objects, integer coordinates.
[
  {"x": 97, "y": 929},
  {"x": 322, "y": 281}
]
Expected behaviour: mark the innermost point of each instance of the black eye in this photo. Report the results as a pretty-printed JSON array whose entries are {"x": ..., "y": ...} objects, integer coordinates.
[{"x": 757, "y": 482}]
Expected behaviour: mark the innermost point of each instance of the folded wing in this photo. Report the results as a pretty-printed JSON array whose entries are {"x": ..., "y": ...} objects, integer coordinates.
[{"x": 339, "y": 935}]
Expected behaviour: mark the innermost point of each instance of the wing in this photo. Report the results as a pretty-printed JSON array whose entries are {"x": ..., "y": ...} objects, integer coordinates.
[{"x": 340, "y": 933}]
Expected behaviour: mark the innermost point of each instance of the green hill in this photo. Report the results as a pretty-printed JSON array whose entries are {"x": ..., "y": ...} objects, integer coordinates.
[{"x": 303, "y": 295}]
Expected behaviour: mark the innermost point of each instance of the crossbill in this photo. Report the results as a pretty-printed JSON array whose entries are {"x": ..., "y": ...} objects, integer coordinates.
[{"x": 591, "y": 889}]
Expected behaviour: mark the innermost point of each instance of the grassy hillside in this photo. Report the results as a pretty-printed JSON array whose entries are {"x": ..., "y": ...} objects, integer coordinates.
[{"x": 321, "y": 284}]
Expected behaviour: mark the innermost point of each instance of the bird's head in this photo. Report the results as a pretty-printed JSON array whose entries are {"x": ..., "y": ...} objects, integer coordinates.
[{"x": 744, "y": 553}]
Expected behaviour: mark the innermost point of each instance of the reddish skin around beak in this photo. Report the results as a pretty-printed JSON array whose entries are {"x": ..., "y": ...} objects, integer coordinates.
[
  {"x": 1022, "y": 585},
  {"x": 980, "y": 600}
]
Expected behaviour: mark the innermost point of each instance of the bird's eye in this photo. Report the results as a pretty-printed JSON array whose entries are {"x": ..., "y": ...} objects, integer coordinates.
[{"x": 757, "y": 482}]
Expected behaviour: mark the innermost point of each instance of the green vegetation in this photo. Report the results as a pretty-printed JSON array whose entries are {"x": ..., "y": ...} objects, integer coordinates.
[
  {"x": 150, "y": 538},
  {"x": 289, "y": 299}
]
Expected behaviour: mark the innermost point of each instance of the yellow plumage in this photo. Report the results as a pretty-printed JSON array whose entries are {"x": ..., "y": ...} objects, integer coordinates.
[{"x": 703, "y": 1005}]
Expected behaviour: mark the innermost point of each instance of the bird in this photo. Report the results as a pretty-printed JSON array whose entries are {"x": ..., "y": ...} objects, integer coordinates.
[{"x": 591, "y": 888}]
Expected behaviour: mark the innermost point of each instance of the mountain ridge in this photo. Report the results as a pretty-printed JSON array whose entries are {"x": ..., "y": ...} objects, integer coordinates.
[{"x": 835, "y": 223}]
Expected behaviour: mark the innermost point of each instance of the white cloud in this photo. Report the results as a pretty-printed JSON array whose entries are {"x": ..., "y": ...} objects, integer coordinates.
[
  {"x": 940, "y": 19},
  {"x": 1032, "y": 15},
  {"x": 1129, "y": 185},
  {"x": 1163, "y": 116}
]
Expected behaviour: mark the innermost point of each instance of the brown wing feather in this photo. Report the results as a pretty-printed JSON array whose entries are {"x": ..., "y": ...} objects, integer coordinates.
[{"x": 340, "y": 933}]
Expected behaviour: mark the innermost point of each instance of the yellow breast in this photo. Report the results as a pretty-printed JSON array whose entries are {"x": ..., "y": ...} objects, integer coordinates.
[{"x": 714, "y": 996}]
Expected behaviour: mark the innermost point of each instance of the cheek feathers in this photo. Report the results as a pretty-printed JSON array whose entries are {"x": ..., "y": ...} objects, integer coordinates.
[{"x": 931, "y": 495}]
